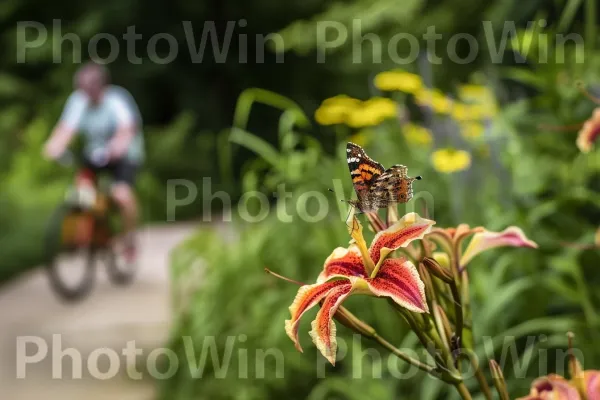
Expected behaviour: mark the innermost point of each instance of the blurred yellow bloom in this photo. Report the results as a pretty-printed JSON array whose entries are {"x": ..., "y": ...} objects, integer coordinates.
[
  {"x": 355, "y": 113},
  {"x": 417, "y": 135},
  {"x": 472, "y": 130},
  {"x": 481, "y": 100},
  {"x": 398, "y": 80},
  {"x": 475, "y": 93},
  {"x": 597, "y": 238},
  {"x": 435, "y": 99},
  {"x": 335, "y": 110},
  {"x": 342, "y": 100},
  {"x": 372, "y": 112},
  {"x": 463, "y": 112},
  {"x": 450, "y": 160},
  {"x": 387, "y": 108}
]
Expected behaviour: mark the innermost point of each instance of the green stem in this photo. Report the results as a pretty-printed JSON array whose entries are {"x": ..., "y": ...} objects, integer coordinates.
[
  {"x": 398, "y": 353},
  {"x": 590, "y": 25},
  {"x": 483, "y": 384},
  {"x": 432, "y": 343},
  {"x": 463, "y": 391},
  {"x": 458, "y": 309},
  {"x": 467, "y": 338}
]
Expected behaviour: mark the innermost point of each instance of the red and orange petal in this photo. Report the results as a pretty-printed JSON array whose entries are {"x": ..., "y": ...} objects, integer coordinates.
[
  {"x": 309, "y": 296},
  {"x": 399, "y": 279},
  {"x": 323, "y": 331},
  {"x": 408, "y": 228},
  {"x": 343, "y": 262}
]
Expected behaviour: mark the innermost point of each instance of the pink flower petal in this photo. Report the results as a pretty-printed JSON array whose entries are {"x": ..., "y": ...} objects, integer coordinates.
[
  {"x": 323, "y": 328},
  {"x": 343, "y": 262},
  {"x": 511, "y": 236},
  {"x": 399, "y": 279},
  {"x": 592, "y": 384},
  {"x": 553, "y": 387},
  {"x": 309, "y": 296},
  {"x": 410, "y": 227},
  {"x": 589, "y": 133}
]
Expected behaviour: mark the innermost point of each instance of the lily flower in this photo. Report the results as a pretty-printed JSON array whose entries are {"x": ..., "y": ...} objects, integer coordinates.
[
  {"x": 552, "y": 387},
  {"x": 361, "y": 270},
  {"x": 589, "y": 132},
  {"x": 586, "y": 382},
  {"x": 511, "y": 237},
  {"x": 591, "y": 379},
  {"x": 482, "y": 239}
]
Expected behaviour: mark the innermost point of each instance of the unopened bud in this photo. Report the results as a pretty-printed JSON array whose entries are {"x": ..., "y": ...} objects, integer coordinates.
[
  {"x": 437, "y": 270},
  {"x": 426, "y": 278},
  {"x": 349, "y": 320}
]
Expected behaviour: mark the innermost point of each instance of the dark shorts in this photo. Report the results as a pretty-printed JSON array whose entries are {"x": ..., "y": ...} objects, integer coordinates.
[{"x": 123, "y": 171}]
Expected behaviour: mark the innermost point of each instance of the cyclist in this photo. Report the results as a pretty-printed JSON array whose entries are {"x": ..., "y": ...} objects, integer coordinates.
[{"x": 110, "y": 122}]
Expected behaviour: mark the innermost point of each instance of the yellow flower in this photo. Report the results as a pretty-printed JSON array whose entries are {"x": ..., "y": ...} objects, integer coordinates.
[
  {"x": 450, "y": 160},
  {"x": 435, "y": 99},
  {"x": 387, "y": 108},
  {"x": 342, "y": 100},
  {"x": 362, "y": 117},
  {"x": 463, "y": 112},
  {"x": 597, "y": 238},
  {"x": 372, "y": 112},
  {"x": 481, "y": 99},
  {"x": 475, "y": 93},
  {"x": 417, "y": 135},
  {"x": 335, "y": 110},
  {"x": 472, "y": 130},
  {"x": 355, "y": 113},
  {"x": 398, "y": 81}
]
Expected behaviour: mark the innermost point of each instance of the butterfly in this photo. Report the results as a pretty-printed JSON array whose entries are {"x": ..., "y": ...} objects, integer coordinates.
[{"x": 375, "y": 186}]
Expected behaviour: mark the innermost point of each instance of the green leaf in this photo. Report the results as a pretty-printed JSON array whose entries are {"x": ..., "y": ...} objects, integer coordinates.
[{"x": 259, "y": 146}]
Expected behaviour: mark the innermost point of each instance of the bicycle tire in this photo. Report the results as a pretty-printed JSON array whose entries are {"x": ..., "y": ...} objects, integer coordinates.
[
  {"x": 53, "y": 248},
  {"x": 118, "y": 274}
]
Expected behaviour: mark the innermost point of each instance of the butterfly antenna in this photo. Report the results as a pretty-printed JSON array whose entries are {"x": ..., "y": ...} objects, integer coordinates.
[
  {"x": 342, "y": 200},
  {"x": 586, "y": 93}
]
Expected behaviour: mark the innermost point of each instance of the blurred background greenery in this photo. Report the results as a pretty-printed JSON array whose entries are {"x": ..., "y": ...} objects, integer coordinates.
[{"x": 472, "y": 130}]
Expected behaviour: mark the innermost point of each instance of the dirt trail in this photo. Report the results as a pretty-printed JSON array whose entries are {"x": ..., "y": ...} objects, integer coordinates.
[{"x": 110, "y": 317}]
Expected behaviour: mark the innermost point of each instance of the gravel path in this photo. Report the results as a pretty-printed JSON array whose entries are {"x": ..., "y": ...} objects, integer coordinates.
[{"x": 109, "y": 318}]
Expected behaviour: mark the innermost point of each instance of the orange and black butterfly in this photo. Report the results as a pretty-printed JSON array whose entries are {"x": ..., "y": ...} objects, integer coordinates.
[{"x": 375, "y": 186}]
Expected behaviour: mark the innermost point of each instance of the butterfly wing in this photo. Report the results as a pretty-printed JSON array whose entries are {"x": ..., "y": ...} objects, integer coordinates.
[
  {"x": 364, "y": 171},
  {"x": 392, "y": 186}
]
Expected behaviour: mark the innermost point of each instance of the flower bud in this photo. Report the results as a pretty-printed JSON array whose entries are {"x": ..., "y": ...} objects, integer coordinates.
[
  {"x": 437, "y": 270},
  {"x": 349, "y": 320}
]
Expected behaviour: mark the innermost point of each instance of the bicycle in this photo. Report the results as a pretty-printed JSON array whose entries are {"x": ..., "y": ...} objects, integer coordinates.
[{"x": 85, "y": 226}]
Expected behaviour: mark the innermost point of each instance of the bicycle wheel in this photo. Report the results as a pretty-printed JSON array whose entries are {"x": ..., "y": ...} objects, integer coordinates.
[
  {"x": 119, "y": 270},
  {"x": 70, "y": 265}
]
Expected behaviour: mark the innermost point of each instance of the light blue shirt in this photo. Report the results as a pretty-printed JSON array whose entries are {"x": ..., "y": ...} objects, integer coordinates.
[{"x": 98, "y": 122}]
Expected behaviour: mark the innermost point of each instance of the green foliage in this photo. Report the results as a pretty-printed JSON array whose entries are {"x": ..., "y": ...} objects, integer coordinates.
[{"x": 532, "y": 177}]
